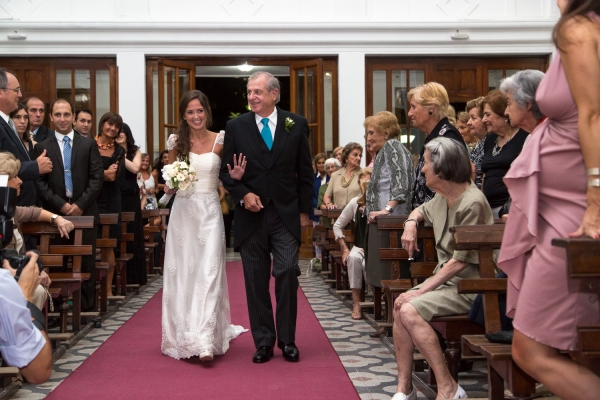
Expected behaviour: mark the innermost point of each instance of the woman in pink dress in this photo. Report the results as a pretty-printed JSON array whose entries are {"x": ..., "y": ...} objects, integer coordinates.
[{"x": 551, "y": 198}]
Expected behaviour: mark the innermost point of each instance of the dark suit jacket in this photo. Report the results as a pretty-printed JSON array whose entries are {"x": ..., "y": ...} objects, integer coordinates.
[
  {"x": 86, "y": 170},
  {"x": 43, "y": 133},
  {"x": 283, "y": 175},
  {"x": 29, "y": 172}
]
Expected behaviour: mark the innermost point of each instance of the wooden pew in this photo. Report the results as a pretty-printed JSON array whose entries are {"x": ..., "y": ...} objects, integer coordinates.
[
  {"x": 8, "y": 387},
  {"x": 107, "y": 264},
  {"x": 501, "y": 367},
  {"x": 327, "y": 241},
  {"x": 394, "y": 226},
  {"x": 53, "y": 256},
  {"x": 149, "y": 232},
  {"x": 583, "y": 260},
  {"x": 121, "y": 261}
]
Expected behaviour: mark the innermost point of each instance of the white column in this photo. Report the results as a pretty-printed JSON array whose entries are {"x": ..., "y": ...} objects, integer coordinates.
[
  {"x": 351, "y": 95},
  {"x": 132, "y": 94}
]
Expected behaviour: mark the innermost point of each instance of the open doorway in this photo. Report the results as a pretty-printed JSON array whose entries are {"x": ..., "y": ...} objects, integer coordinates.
[{"x": 308, "y": 88}]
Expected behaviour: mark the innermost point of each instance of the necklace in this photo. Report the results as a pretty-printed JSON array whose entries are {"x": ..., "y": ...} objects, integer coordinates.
[
  {"x": 345, "y": 182},
  {"x": 105, "y": 146},
  {"x": 497, "y": 149}
]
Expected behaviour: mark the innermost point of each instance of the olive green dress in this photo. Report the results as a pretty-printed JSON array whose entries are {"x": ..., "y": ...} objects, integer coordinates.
[{"x": 471, "y": 208}]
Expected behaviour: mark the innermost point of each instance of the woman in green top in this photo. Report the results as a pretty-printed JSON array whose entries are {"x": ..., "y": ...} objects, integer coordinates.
[{"x": 457, "y": 201}]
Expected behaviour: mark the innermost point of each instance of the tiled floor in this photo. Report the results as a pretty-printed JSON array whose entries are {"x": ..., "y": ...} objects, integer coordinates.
[{"x": 370, "y": 365}]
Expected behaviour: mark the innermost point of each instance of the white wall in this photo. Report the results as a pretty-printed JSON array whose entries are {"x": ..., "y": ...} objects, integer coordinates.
[{"x": 130, "y": 30}]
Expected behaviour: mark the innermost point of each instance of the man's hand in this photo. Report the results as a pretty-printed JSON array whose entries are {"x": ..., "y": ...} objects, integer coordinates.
[
  {"x": 252, "y": 202},
  {"x": 65, "y": 209},
  {"x": 75, "y": 211},
  {"x": 44, "y": 163},
  {"x": 30, "y": 276},
  {"x": 305, "y": 222}
]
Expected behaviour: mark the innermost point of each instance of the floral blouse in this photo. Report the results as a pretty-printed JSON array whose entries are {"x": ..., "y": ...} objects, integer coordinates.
[
  {"x": 476, "y": 157},
  {"x": 392, "y": 179}
]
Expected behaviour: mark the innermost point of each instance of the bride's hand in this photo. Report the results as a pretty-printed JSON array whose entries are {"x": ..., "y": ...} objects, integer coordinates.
[
  {"x": 170, "y": 192},
  {"x": 239, "y": 167}
]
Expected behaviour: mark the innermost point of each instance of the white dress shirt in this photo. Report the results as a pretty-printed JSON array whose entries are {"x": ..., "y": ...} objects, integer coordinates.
[
  {"x": 272, "y": 122},
  {"x": 61, "y": 145}
]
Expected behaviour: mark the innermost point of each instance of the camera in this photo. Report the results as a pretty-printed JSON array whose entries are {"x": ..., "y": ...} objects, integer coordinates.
[{"x": 8, "y": 205}]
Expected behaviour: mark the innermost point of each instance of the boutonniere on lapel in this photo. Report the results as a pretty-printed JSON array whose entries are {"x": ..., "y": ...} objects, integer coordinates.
[{"x": 289, "y": 123}]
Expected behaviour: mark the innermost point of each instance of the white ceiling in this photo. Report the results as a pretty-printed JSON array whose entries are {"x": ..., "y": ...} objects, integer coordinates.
[{"x": 232, "y": 71}]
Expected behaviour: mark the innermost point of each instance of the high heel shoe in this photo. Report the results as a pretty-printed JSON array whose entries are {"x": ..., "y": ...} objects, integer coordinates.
[
  {"x": 206, "y": 356},
  {"x": 460, "y": 393},
  {"x": 401, "y": 396}
]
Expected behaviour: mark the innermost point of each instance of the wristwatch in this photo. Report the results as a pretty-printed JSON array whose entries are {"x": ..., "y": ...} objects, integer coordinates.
[
  {"x": 53, "y": 219},
  {"x": 388, "y": 208}
]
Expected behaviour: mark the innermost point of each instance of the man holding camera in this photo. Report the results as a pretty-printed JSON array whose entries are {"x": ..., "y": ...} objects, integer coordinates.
[{"x": 23, "y": 342}]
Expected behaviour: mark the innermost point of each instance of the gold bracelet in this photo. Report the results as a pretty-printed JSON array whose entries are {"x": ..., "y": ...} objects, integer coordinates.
[
  {"x": 593, "y": 172},
  {"x": 594, "y": 182}
]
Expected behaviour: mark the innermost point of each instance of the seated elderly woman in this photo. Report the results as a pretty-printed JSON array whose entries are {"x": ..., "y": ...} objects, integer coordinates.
[
  {"x": 355, "y": 258},
  {"x": 9, "y": 165},
  {"x": 344, "y": 185},
  {"x": 447, "y": 170}
]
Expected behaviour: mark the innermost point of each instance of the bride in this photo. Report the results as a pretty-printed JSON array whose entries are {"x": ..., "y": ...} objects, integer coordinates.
[{"x": 196, "y": 318}]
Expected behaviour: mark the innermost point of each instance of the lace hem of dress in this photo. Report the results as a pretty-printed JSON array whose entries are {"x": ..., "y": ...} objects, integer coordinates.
[{"x": 192, "y": 346}]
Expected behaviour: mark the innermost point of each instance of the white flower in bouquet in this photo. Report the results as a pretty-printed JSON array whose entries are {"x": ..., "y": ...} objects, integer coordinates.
[{"x": 180, "y": 176}]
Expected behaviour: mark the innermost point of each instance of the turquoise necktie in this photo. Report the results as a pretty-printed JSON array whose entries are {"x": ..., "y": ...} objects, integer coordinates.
[{"x": 266, "y": 133}]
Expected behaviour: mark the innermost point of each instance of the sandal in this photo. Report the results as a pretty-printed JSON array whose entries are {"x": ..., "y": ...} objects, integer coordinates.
[{"x": 356, "y": 315}]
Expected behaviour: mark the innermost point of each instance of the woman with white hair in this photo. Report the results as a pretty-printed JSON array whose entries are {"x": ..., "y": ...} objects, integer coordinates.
[
  {"x": 522, "y": 109},
  {"x": 447, "y": 171}
]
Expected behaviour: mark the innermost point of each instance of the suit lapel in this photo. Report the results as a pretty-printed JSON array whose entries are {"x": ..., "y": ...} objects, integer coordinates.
[
  {"x": 254, "y": 139},
  {"x": 16, "y": 140},
  {"x": 76, "y": 146},
  {"x": 54, "y": 150},
  {"x": 281, "y": 134}
]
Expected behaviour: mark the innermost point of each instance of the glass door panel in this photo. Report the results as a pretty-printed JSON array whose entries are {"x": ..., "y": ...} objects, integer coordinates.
[
  {"x": 328, "y": 111},
  {"x": 379, "y": 92},
  {"x": 306, "y": 85},
  {"x": 174, "y": 79}
]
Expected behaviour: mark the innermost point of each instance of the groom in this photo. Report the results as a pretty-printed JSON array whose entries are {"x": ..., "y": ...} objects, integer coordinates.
[{"x": 273, "y": 201}]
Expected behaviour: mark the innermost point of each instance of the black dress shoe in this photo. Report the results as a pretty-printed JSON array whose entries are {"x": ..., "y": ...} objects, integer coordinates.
[
  {"x": 290, "y": 351},
  {"x": 263, "y": 354},
  {"x": 504, "y": 337}
]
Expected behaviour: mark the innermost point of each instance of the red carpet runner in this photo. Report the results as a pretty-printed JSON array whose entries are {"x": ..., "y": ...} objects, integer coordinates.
[{"x": 130, "y": 365}]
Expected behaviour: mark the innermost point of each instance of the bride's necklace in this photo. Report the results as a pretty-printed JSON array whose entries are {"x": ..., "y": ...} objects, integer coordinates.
[
  {"x": 497, "y": 148},
  {"x": 347, "y": 182}
]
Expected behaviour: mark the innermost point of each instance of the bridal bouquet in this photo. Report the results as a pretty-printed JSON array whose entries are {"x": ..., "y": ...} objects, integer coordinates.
[{"x": 179, "y": 175}]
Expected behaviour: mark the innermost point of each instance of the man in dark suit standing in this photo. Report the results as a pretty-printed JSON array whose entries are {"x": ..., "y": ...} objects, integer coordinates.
[
  {"x": 276, "y": 192},
  {"x": 10, "y": 93},
  {"x": 37, "y": 112},
  {"x": 75, "y": 182}
]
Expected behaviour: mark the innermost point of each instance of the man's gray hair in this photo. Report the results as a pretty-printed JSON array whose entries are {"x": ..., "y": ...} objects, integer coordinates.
[
  {"x": 522, "y": 86},
  {"x": 272, "y": 82},
  {"x": 333, "y": 161},
  {"x": 450, "y": 160},
  {"x": 3, "y": 78}
]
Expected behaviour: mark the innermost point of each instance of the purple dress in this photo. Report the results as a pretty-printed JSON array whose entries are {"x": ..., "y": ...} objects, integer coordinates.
[{"x": 547, "y": 183}]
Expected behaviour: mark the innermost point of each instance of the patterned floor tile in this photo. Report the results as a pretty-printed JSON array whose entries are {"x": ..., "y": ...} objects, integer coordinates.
[{"x": 370, "y": 365}]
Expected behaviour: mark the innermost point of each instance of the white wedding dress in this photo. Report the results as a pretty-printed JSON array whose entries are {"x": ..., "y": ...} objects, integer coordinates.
[{"x": 195, "y": 306}]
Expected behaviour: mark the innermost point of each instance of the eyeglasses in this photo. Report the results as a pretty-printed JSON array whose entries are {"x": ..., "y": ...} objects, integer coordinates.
[{"x": 16, "y": 90}]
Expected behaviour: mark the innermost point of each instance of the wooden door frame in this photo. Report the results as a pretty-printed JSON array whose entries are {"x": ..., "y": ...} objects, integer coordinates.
[{"x": 329, "y": 64}]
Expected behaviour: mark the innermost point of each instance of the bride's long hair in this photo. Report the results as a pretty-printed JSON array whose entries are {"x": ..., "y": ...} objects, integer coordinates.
[{"x": 183, "y": 130}]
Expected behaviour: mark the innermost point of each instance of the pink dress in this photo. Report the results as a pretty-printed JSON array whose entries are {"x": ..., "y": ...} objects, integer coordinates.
[{"x": 547, "y": 184}]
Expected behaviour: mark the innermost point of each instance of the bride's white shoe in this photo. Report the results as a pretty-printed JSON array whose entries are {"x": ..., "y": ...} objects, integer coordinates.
[
  {"x": 401, "y": 396},
  {"x": 206, "y": 356}
]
